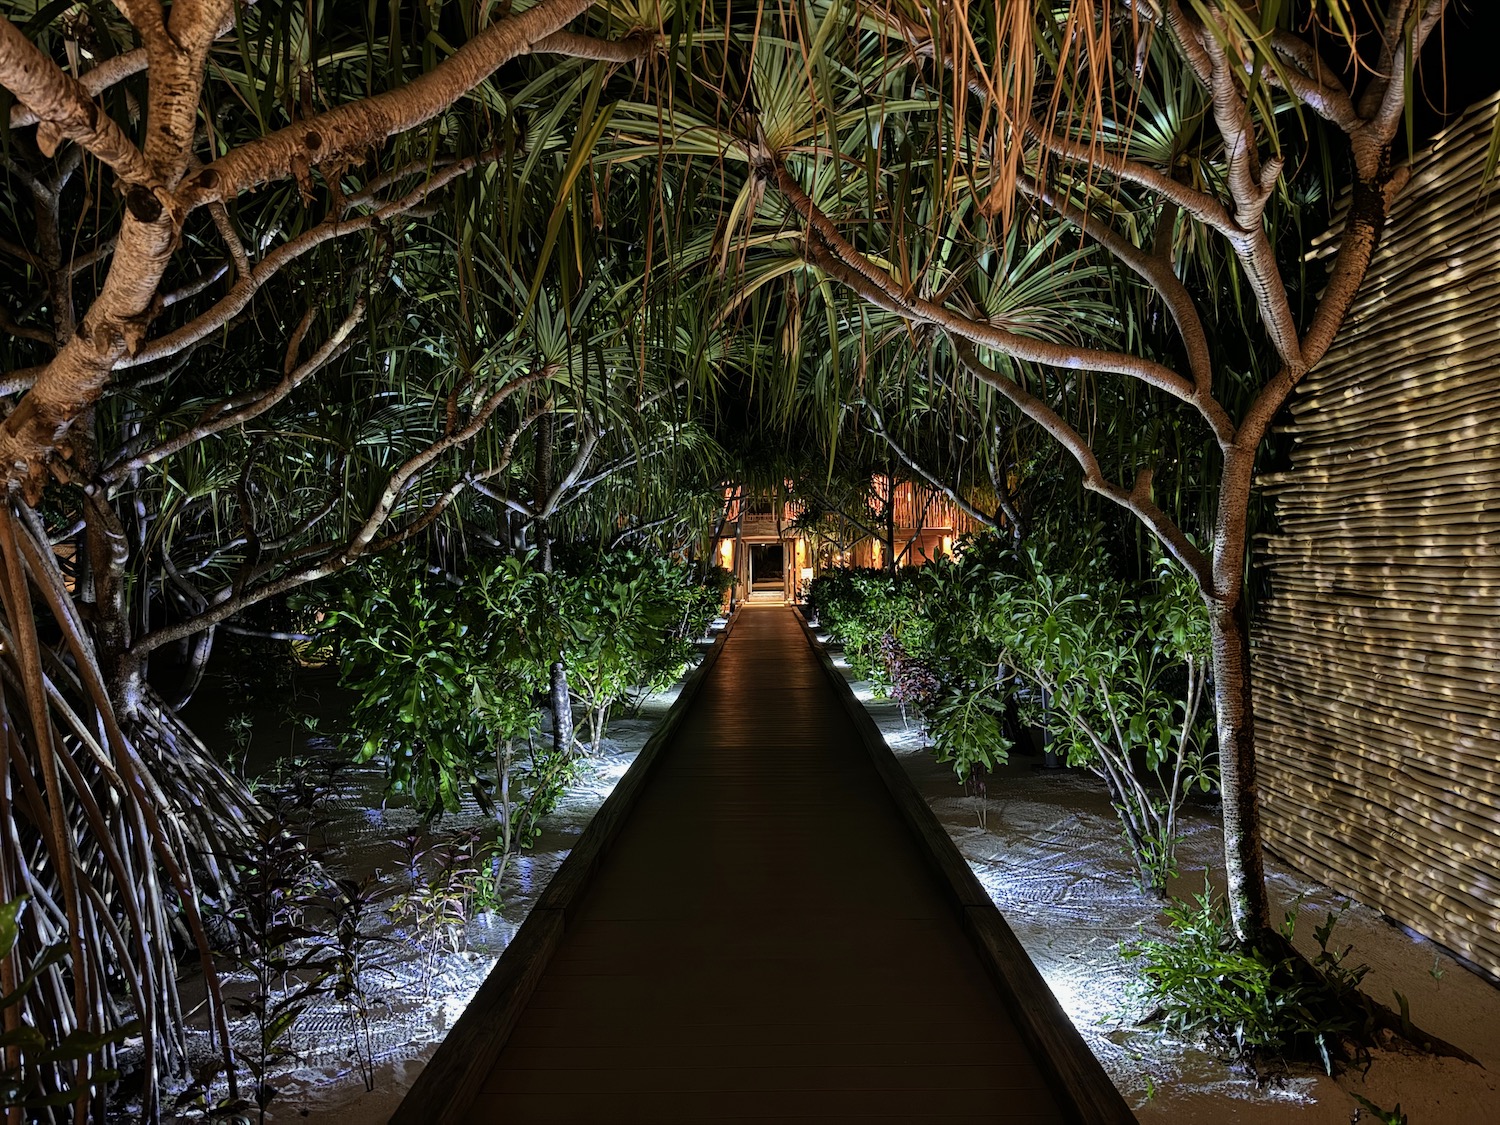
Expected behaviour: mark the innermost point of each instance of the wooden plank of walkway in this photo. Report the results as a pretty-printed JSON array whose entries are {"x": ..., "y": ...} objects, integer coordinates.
[{"x": 763, "y": 940}]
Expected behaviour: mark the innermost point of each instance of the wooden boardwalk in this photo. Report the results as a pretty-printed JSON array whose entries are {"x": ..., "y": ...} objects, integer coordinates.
[{"x": 765, "y": 940}]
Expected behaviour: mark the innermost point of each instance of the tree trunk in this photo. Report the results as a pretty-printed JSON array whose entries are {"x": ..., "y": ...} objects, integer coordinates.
[
  {"x": 562, "y": 710},
  {"x": 596, "y": 735},
  {"x": 1244, "y": 864},
  {"x": 560, "y": 699},
  {"x": 542, "y": 489},
  {"x": 503, "y": 761}
]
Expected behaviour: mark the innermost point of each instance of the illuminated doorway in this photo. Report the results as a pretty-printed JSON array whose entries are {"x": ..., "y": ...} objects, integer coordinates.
[{"x": 767, "y": 568}]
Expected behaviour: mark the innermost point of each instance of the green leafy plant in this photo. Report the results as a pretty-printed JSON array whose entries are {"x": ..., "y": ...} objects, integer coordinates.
[
  {"x": 445, "y": 881},
  {"x": 417, "y": 665},
  {"x": 1384, "y": 1116},
  {"x": 349, "y": 906},
  {"x": 1260, "y": 1009},
  {"x": 1119, "y": 677},
  {"x": 630, "y": 620},
  {"x": 447, "y": 674},
  {"x": 915, "y": 635},
  {"x": 1117, "y": 672},
  {"x": 277, "y": 949}
]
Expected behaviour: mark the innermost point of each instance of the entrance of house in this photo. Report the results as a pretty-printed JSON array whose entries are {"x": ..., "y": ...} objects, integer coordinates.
[{"x": 767, "y": 569}]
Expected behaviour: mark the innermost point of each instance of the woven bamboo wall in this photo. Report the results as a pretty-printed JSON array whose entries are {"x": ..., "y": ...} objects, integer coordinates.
[{"x": 1377, "y": 656}]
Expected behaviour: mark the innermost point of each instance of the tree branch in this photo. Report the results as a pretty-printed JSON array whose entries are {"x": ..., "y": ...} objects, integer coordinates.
[
  {"x": 271, "y": 264},
  {"x": 634, "y": 47},
  {"x": 23, "y": 331},
  {"x": 1157, "y": 273},
  {"x": 1315, "y": 83},
  {"x": 350, "y": 130},
  {"x": 967, "y": 508},
  {"x": 110, "y": 72},
  {"x": 65, "y": 111},
  {"x": 581, "y": 461},
  {"x": 228, "y": 414},
  {"x": 832, "y": 253},
  {"x": 193, "y": 288},
  {"x": 1136, "y": 500},
  {"x": 1392, "y": 40},
  {"x": 114, "y": 70},
  {"x": 1200, "y": 205},
  {"x": 1250, "y": 183},
  {"x": 1392, "y": 102},
  {"x": 337, "y": 557}
]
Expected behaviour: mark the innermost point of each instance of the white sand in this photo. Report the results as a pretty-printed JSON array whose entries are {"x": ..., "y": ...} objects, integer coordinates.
[{"x": 414, "y": 1004}]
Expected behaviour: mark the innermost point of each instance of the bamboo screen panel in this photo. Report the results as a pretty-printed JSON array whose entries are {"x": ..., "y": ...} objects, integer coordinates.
[{"x": 1377, "y": 656}]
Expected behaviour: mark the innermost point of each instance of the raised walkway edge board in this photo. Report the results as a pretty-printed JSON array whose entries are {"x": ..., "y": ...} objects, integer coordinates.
[{"x": 764, "y": 940}]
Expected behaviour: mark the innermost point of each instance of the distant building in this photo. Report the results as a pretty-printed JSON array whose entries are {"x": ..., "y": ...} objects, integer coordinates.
[{"x": 774, "y": 544}]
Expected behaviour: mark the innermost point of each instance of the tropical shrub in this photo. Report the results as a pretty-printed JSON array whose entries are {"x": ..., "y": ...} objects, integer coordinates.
[
  {"x": 968, "y": 724},
  {"x": 1260, "y": 1008},
  {"x": 446, "y": 678},
  {"x": 521, "y": 637},
  {"x": 431, "y": 673},
  {"x": 629, "y": 621},
  {"x": 1115, "y": 671},
  {"x": 1118, "y": 675},
  {"x": 711, "y": 596},
  {"x": 447, "y": 675},
  {"x": 861, "y": 607},
  {"x": 915, "y": 635}
]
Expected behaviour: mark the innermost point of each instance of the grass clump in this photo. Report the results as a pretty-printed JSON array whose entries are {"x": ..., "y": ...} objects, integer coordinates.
[{"x": 1265, "y": 1008}]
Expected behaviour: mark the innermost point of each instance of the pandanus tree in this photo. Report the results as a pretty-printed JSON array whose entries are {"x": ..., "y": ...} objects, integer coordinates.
[
  {"x": 878, "y": 155},
  {"x": 962, "y": 438},
  {"x": 245, "y": 347}
]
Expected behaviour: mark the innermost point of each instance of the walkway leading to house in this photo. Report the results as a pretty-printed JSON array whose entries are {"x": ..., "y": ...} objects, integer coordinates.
[{"x": 765, "y": 939}]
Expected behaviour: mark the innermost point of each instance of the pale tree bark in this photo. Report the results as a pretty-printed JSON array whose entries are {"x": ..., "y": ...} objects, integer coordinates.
[
  {"x": 49, "y": 433},
  {"x": 113, "y": 331}
]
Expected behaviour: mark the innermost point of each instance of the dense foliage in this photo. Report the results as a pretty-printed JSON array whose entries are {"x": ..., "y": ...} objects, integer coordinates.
[
  {"x": 290, "y": 286},
  {"x": 448, "y": 675},
  {"x": 1114, "y": 671},
  {"x": 1261, "y": 1008},
  {"x": 629, "y": 621}
]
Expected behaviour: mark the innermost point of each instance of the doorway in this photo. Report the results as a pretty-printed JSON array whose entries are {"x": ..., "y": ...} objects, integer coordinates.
[{"x": 767, "y": 567}]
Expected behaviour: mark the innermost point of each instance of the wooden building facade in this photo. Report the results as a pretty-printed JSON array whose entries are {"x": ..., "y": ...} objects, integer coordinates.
[{"x": 773, "y": 553}]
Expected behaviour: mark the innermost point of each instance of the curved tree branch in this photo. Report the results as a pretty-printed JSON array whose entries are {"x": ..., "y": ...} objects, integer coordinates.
[
  {"x": 1136, "y": 500},
  {"x": 832, "y": 253},
  {"x": 1156, "y": 272},
  {"x": 232, "y": 412},
  {"x": 350, "y": 130},
  {"x": 952, "y": 493},
  {"x": 65, "y": 111},
  {"x": 1250, "y": 182},
  {"x": 1200, "y": 205},
  {"x": 335, "y": 557}
]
